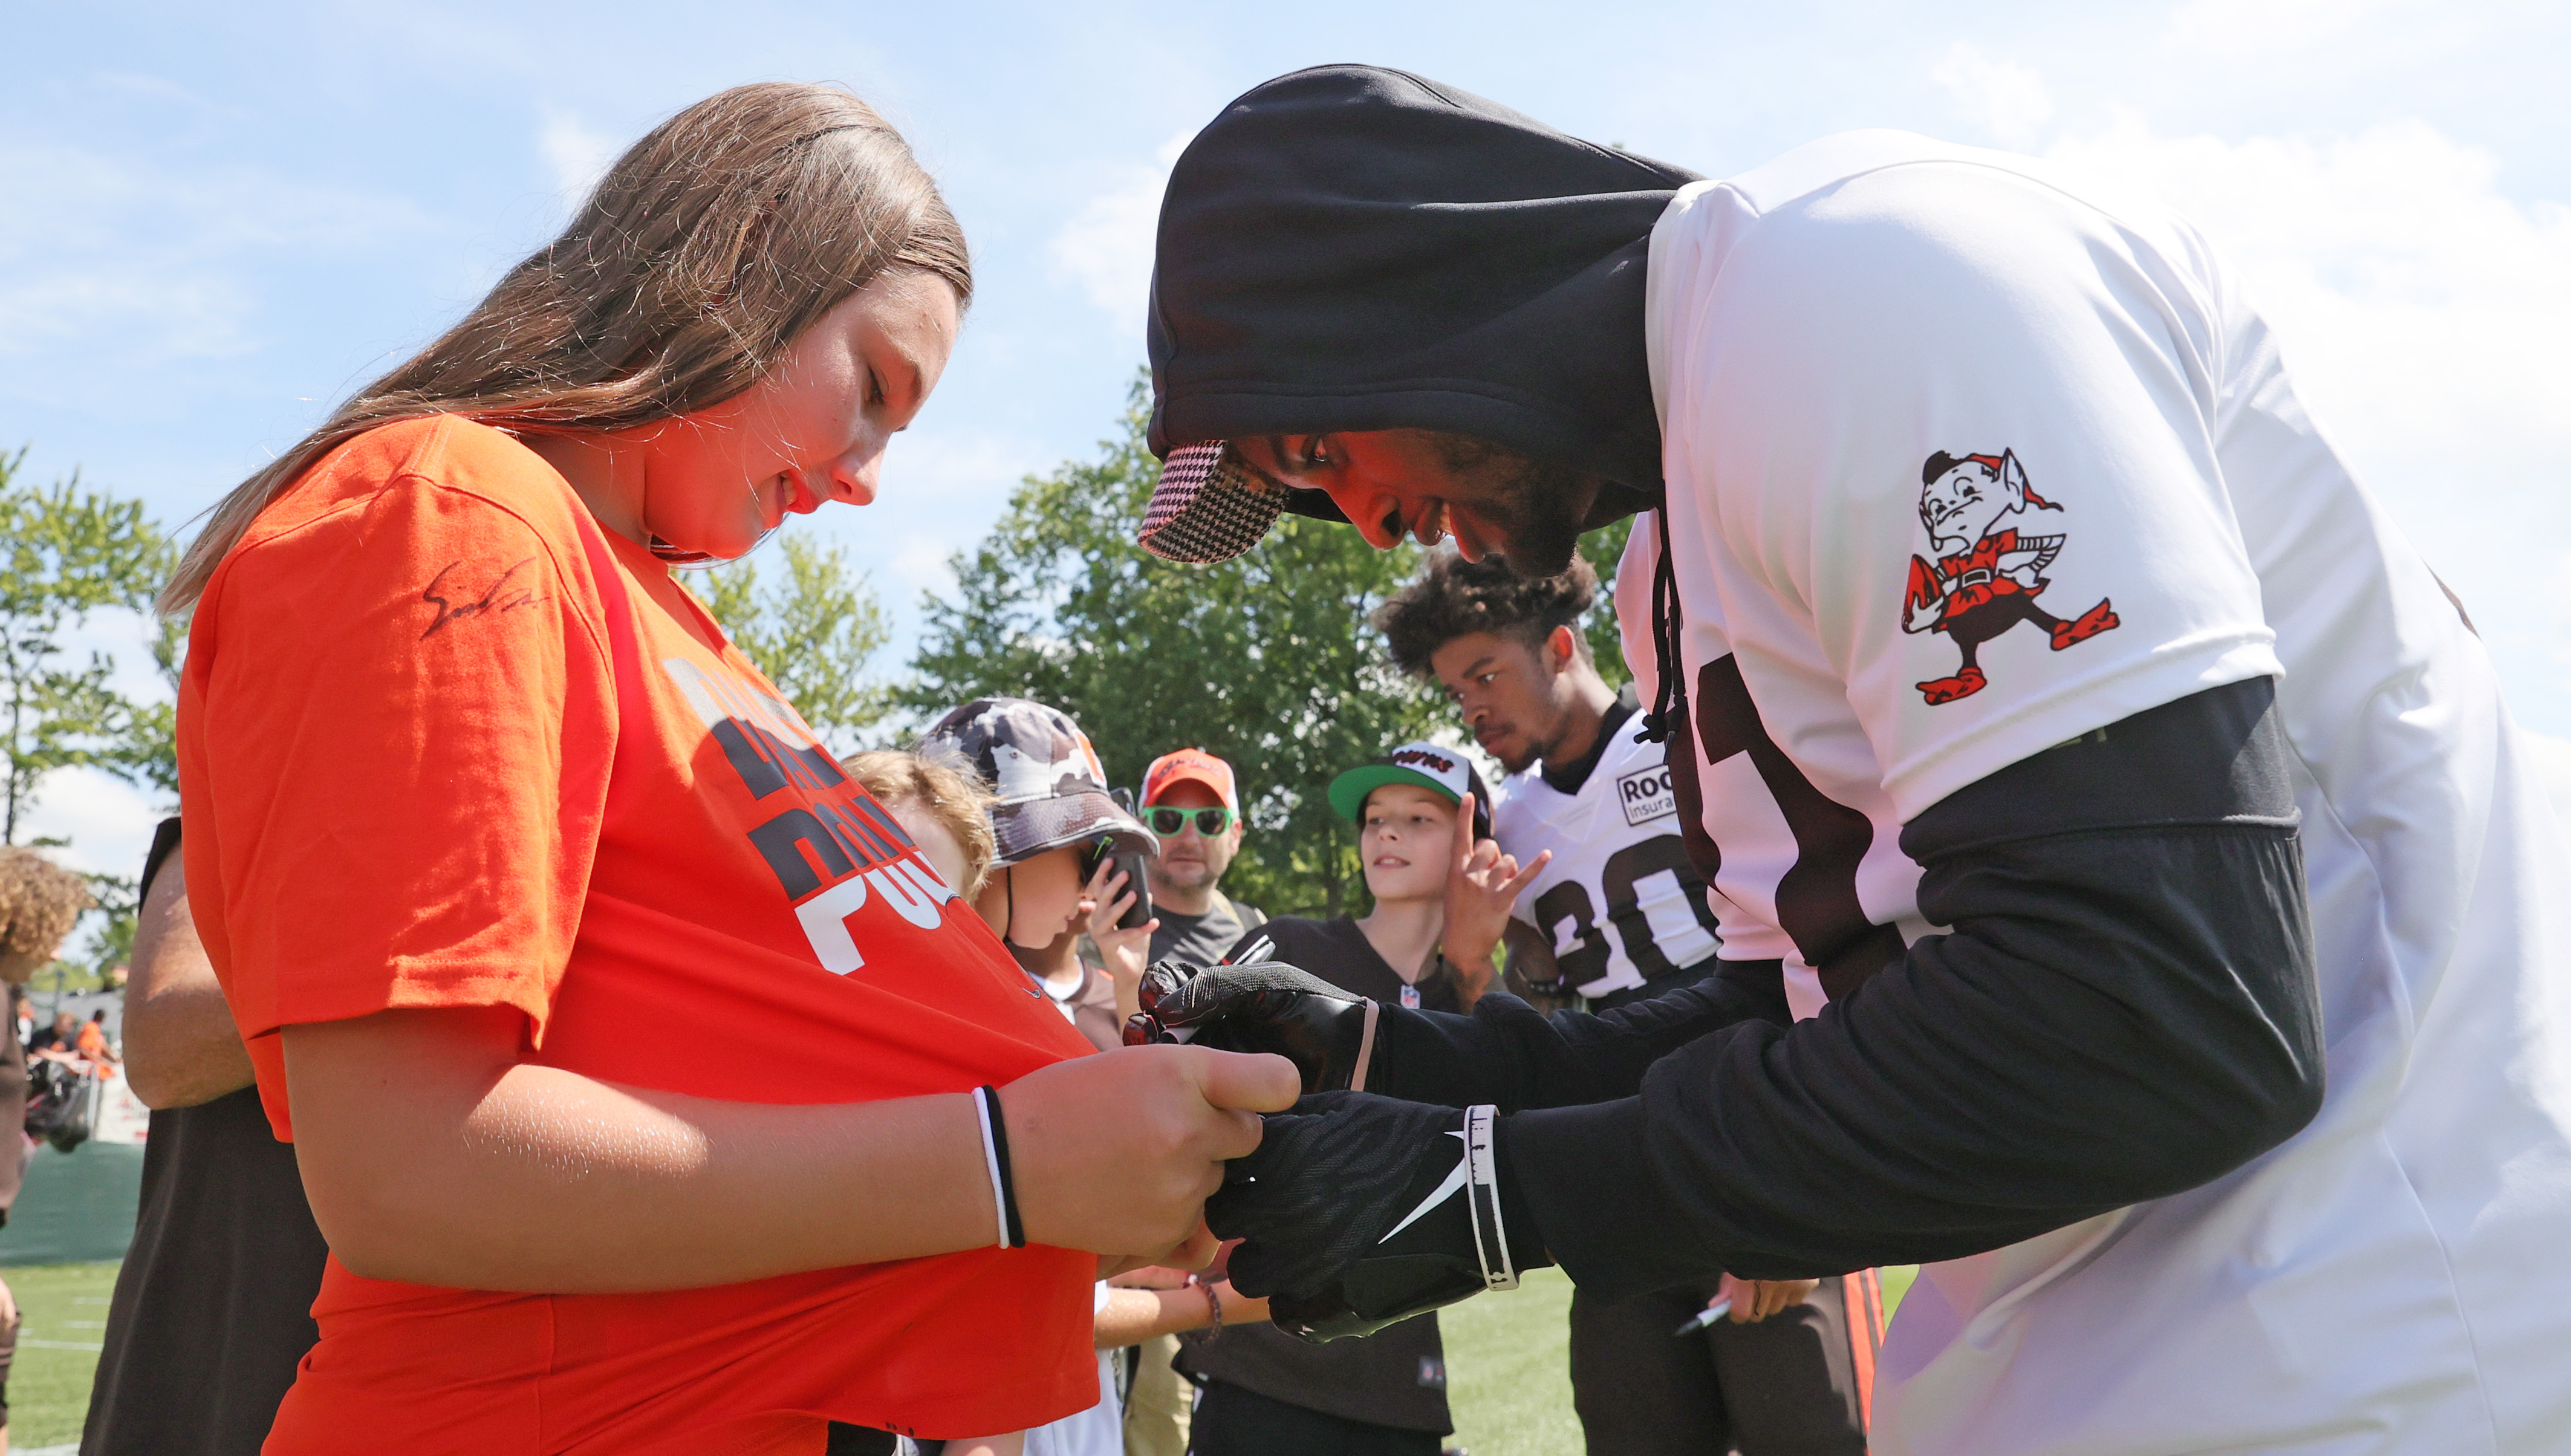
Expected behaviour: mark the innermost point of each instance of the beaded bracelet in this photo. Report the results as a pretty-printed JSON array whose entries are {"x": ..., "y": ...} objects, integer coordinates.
[{"x": 1213, "y": 1330}]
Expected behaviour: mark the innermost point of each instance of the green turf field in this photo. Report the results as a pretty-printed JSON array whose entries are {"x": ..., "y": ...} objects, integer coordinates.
[
  {"x": 1505, "y": 1357},
  {"x": 65, "y": 1307},
  {"x": 1509, "y": 1371}
]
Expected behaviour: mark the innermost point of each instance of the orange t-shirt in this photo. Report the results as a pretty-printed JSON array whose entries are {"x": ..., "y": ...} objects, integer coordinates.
[{"x": 442, "y": 741}]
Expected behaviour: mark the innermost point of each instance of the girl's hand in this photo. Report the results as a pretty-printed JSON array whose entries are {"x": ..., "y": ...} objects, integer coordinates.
[
  {"x": 1240, "y": 1309},
  {"x": 1150, "y": 1276},
  {"x": 1116, "y": 1153},
  {"x": 1124, "y": 951}
]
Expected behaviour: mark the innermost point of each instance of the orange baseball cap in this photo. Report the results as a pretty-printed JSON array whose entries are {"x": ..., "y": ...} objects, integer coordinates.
[{"x": 1186, "y": 764}]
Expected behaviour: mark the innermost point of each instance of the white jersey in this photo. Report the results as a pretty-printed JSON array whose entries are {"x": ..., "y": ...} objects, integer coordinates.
[
  {"x": 1964, "y": 461},
  {"x": 1619, "y": 903}
]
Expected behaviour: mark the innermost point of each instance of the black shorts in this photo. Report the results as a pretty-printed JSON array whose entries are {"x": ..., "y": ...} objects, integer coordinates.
[
  {"x": 1797, "y": 1383},
  {"x": 1231, "y": 1421}
]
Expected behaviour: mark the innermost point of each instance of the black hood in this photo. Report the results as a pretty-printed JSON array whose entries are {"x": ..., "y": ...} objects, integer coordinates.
[{"x": 1355, "y": 249}]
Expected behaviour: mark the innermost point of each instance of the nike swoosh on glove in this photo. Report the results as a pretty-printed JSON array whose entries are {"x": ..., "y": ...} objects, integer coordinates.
[
  {"x": 1361, "y": 1210},
  {"x": 1265, "y": 1006}
]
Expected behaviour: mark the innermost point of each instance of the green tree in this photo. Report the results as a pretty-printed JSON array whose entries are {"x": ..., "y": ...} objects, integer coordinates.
[
  {"x": 1603, "y": 547},
  {"x": 1266, "y": 660},
  {"x": 67, "y": 552},
  {"x": 812, "y": 632}
]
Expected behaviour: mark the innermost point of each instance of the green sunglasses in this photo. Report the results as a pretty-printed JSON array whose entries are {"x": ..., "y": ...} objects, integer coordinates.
[{"x": 1164, "y": 820}]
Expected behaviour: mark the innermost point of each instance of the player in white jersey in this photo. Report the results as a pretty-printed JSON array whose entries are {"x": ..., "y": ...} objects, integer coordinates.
[
  {"x": 1616, "y": 914},
  {"x": 2192, "y": 925}
]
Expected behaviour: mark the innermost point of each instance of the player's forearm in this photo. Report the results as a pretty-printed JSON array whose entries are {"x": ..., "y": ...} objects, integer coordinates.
[
  {"x": 433, "y": 1155},
  {"x": 1508, "y": 1055},
  {"x": 180, "y": 1045},
  {"x": 2120, "y": 1012},
  {"x": 1132, "y": 1316},
  {"x": 429, "y": 1160},
  {"x": 1530, "y": 961}
]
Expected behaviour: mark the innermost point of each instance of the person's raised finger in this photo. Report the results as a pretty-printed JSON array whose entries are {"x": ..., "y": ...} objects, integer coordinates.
[
  {"x": 1258, "y": 1082},
  {"x": 1527, "y": 873},
  {"x": 1464, "y": 830}
]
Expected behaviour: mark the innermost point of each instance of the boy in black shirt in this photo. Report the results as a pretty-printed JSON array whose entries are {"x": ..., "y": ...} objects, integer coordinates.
[{"x": 1266, "y": 1391}]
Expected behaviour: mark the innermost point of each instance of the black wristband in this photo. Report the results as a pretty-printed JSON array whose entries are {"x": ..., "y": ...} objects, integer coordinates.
[{"x": 1013, "y": 1230}]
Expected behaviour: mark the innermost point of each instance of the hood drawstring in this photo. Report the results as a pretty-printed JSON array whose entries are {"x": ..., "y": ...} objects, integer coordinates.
[{"x": 1669, "y": 705}]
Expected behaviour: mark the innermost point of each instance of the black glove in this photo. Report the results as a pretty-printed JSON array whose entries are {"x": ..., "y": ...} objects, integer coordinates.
[
  {"x": 1265, "y": 1006},
  {"x": 1361, "y": 1210}
]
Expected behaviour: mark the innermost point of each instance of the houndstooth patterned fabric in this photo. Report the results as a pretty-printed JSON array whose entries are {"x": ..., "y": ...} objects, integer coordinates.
[{"x": 1207, "y": 506}]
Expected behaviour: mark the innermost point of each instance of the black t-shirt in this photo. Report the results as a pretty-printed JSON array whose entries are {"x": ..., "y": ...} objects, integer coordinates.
[
  {"x": 1393, "y": 1377},
  {"x": 1338, "y": 952},
  {"x": 213, "y": 1309},
  {"x": 14, "y": 1153},
  {"x": 1202, "y": 939}
]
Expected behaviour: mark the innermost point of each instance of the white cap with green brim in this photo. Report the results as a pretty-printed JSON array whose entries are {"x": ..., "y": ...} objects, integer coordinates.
[{"x": 1432, "y": 766}]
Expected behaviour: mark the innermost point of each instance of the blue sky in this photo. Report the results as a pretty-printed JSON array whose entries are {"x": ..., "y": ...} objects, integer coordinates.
[{"x": 219, "y": 220}]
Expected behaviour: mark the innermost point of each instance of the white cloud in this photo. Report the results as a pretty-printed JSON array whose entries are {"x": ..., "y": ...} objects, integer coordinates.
[
  {"x": 108, "y": 821},
  {"x": 2237, "y": 28},
  {"x": 1106, "y": 247},
  {"x": 2426, "y": 317},
  {"x": 940, "y": 492},
  {"x": 948, "y": 476},
  {"x": 920, "y": 564},
  {"x": 577, "y": 155},
  {"x": 141, "y": 263},
  {"x": 2344, "y": 37},
  {"x": 2006, "y": 100}
]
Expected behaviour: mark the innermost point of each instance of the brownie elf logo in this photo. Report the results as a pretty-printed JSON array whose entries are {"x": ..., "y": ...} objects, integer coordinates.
[{"x": 1986, "y": 575}]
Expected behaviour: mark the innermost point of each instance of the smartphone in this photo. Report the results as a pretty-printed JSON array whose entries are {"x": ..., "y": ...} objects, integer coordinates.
[{"x": 1102, "y": 850}]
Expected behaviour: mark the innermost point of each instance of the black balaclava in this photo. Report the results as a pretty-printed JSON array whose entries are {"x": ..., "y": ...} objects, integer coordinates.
[{"x": 1355, "y": 249}]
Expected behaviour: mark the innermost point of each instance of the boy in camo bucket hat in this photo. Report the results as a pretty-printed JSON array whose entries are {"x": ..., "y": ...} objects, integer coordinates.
[{"x": 1053, "y": 804}]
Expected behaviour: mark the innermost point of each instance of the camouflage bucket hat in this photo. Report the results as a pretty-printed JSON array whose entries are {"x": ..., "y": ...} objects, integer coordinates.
[{"x": 1052, "y": 790}]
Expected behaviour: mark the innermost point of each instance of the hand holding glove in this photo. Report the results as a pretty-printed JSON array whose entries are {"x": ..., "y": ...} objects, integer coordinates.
[
  {"x": 1361, "y": 1210},
  {"x": 1265, "y": 1006}
]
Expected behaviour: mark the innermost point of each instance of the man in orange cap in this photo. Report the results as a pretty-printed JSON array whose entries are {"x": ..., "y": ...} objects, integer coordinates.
[{"x": 1191, "y": 800}]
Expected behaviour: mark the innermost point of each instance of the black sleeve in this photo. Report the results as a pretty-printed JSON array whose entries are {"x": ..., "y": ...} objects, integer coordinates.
[
  {"x": 1510, "y": 1056},
  {"x": 2123, "y": 1008},
  {"x": 165, "y": 842}
]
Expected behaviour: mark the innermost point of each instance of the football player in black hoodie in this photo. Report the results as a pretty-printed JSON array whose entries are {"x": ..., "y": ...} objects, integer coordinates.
[{"x": 2016, "y": 638}]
